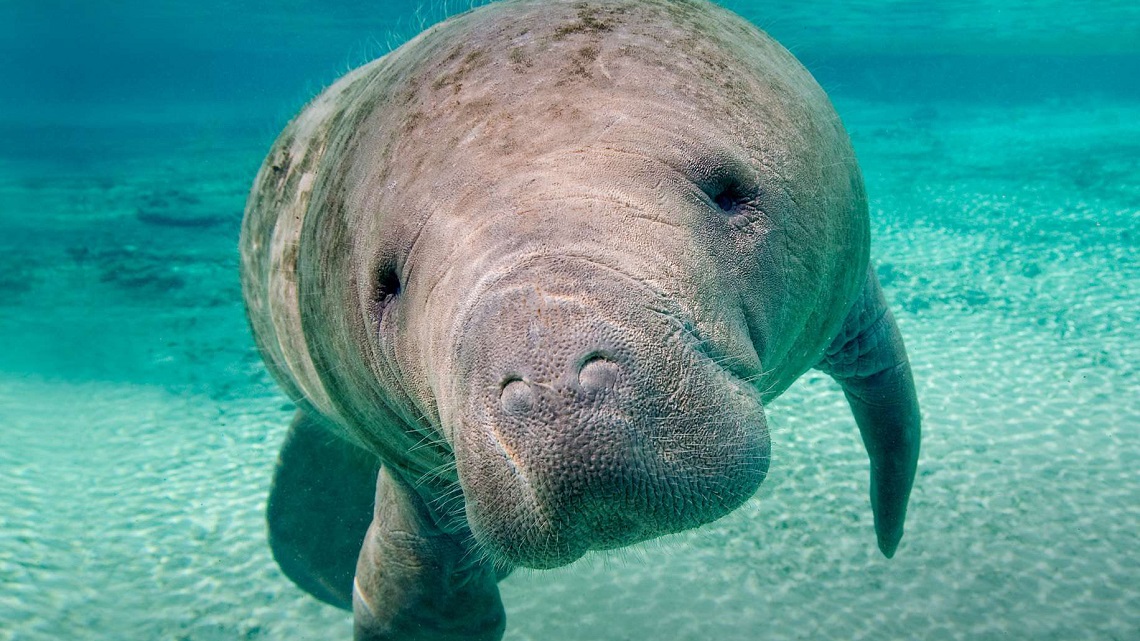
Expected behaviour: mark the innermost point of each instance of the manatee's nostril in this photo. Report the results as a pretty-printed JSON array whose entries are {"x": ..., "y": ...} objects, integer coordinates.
[
  {"x": 598, "y": 373},
  {"x": 516, "y": 397}
]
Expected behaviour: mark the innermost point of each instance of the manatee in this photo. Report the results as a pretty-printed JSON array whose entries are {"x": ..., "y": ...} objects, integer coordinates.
[{"x": 532, "y": 279}]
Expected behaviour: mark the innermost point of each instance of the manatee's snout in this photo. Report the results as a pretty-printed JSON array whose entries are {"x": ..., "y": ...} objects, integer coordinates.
[
  {"x": 596, "y": 375},
  {"x": 586, "y": 417}
]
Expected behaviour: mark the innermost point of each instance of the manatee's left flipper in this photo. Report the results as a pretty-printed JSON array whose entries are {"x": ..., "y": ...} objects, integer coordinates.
[
  {"x": 869, "y": 361},
  {"x": 319, "y": 508},
  {"x": 416, "y": 582}
]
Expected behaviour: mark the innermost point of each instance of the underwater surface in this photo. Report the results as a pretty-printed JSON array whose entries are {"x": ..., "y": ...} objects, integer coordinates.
[{"x": 1000, "y": 142}]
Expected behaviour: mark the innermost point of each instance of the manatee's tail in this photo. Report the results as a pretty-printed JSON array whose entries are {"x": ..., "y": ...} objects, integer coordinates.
[
  {"x": 319, "y": 509},
  {"x": 869, "y": 360}
]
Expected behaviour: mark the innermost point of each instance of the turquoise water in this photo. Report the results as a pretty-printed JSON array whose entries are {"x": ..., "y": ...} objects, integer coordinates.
[{"x": 1000, "y": 142}]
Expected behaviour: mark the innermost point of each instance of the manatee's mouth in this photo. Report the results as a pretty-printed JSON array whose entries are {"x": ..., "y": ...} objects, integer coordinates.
[{"x": 602, "y": 472}]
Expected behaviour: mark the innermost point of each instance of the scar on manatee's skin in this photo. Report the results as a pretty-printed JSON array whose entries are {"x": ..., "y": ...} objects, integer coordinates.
[
  {"x": 281, "y": 164},
  {"x": 518, "y": 57},
  {"x": 579, "y": 67},
  {"x": 472, "y": 61},
  {"x": 589, "y": 21},
  {"x": 413, "y": 120}
]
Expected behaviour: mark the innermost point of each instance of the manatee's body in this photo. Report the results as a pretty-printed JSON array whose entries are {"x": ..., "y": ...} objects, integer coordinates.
[{"x": 545, "y": 264}]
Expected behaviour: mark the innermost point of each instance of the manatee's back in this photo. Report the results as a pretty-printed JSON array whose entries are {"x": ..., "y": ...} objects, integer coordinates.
[
  {"x": 326, "y": 182},
  {"x": 270, "y": 241}
]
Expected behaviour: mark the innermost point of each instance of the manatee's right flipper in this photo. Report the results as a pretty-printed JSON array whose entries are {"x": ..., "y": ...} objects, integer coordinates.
[
  {"x": 319, "y": 509},
  {"x": 869, "y": 361},
  {"x": 417, "y": 582}
]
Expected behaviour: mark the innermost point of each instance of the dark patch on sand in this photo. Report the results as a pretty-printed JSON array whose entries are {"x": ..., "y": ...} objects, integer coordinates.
[{"x": 176, "y": 208}]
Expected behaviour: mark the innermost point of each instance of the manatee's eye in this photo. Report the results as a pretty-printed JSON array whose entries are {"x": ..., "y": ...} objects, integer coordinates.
[
  {"x": 386, "y": 291},
  {"x": 734, "y": 199}
]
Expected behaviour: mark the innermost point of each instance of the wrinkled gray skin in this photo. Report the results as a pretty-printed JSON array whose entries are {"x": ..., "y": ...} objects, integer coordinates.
[{"x": 545, "y": 265}]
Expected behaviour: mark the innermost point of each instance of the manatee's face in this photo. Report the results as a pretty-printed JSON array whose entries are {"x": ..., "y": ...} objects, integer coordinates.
[
  {"x": 589, "y": 414},
  {"x": 607, "y": 252},
  {"x": 595, "y": 338}
]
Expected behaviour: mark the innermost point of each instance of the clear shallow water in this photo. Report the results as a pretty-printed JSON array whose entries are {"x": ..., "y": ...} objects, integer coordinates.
[{"x": 138, "y": 428}]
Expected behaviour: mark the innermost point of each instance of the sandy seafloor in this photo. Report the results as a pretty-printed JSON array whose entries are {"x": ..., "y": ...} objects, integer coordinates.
[{"x": 139, "y": 428}]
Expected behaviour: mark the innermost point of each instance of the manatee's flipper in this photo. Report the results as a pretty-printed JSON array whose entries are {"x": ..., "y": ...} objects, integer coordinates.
[
  {"x": 869, "y": 360},
  {"x": 417, "y": 582},
  {"x": 319, "y": 509}
]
